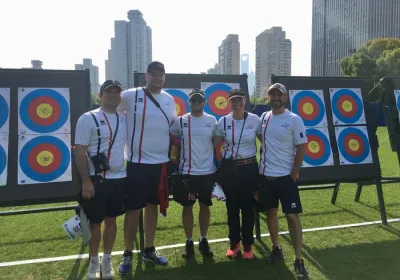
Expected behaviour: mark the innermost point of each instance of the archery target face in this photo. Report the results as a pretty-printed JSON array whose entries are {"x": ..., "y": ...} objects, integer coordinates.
[
  {"x": 310, "y": 106},
  {"x": 347, "y": 106},
  {"x": 44, "y": 110},
  {"x": 353, "y": 144},
  {"x": 44, "y": 159},
  {"x": 4, "y": 110},
  {"x": 3, "y": 159},
  {"x": 318, "y": 149},
  {"x": 397, "y": 97},
  {"x": 217, "y": 95},
  {"x": 181, "y": 97}
]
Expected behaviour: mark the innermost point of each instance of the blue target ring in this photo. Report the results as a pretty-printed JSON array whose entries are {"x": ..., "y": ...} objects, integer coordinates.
[
  {"x": 63, "y": 162},
  {"x": 343, "y": 149},
  {"x": 181, "y": 99},
  {"x": 52, "y": 95},
  {"x": 323, "y": 155},
  {"x": 358, "y": 112},
  {"x": 397, "y": 103},
  {"x": 3, "y": 159},
  {"x": 208, "y": 92},
  {"x": 313, "y": 96},
  {"x": 4, "y": 111}
]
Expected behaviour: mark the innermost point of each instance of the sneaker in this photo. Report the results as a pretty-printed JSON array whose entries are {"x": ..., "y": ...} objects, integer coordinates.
[
  {"x": 94, "y": 270},
  {"x": 205, "y": 249},
  {"x": 151, "y": 255},
  {"x": 126, "y": 263},
  {"x": 301, "y": 272},
  {"x": 107, "y": 271},
  {"x": 248, "y": 252},
  {"x": 188, "y": 251},
  {"x": 233, "y": 251},
  {"x": 275, "y": 255}
]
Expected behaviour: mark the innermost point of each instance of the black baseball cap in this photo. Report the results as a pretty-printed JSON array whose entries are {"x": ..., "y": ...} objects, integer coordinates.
[
  {"x": 110, "y": 83},
  {"x": 279, "y": 87},
  {"x": 155, "y": 65},
  {"x": 236, "y": 92},
  {"x": 197, "y": 92}
]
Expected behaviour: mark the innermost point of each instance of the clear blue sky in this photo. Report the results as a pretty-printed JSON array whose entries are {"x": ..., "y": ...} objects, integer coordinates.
[{"x": 186, "y": 34}]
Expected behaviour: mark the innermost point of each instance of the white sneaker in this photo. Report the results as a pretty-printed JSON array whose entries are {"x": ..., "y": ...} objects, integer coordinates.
[
  {"x": 107, "y": 271},
  {"x": 94, "y": 271}
]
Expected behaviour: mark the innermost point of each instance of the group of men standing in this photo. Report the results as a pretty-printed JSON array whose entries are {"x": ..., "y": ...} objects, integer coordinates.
[{"x": 137, "y": 125}]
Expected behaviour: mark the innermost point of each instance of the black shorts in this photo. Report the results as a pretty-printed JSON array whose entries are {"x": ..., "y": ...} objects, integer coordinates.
[
  {"x": 196, "y": 187},
  {"x": 108, "y": 200},
  {"x": 142, "y": 185},
  {"x": 283, "y": 189}
]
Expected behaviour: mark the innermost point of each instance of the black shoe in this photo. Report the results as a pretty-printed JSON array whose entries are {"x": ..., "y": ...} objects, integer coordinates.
[
  {"x": 301, "y": 272},
  {"x": 188, "y": 251},
  {"x": 205, "y": 249},
  {"x": 275, "y": 255},
  {"x": 151, "y": 255}
]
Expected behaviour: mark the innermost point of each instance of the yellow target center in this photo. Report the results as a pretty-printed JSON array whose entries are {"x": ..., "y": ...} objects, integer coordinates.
[
  {"x": 308, "y": 108},
  {"x": 313, "y": 146},
  {"x": 221, "y": 102},
  {"x": 45, "y": 158},
  {"x": 347, "y": 106},
  {"x": 44, "y": 110},
  {"x": 354, "y": 145},
  {"x": 177, "y": 108}
]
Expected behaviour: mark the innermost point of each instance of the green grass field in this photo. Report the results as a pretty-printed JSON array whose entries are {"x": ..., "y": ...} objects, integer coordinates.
[{"x": 370, "y": 252}]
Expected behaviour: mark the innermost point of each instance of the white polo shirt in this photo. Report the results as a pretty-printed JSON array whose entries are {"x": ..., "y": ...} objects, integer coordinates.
[
  {"x": 232, "y": 129},
  {"x": 148, "y": 129},
  {"x": 86, "y": 134},
  {"x": 279, "y": 140},
  {"x": 197, "y": 152}
]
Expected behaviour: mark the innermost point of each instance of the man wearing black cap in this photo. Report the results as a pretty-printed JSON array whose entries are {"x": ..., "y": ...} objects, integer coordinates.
[
  {"x": 283, "y": 138},
  {"x": 99, "y": 156},
  {"x": 150, "y": 113},
  {"x": 196, "y": 169}
]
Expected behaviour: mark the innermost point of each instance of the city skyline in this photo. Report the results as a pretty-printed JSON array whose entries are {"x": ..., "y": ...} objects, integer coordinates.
[{"x": 76, "y": 33}]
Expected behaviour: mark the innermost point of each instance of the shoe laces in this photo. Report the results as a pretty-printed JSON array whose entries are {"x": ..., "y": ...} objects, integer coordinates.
[
  {"x": 126, "y": 260},
  {"x": 93, "y": 267}
]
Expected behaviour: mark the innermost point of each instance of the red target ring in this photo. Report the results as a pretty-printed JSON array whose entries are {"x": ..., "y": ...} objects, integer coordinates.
[
  {"x": 321, "y": 147},
  {"x": 219, "y": 150},
  {"x": 346, "y": 100},
  {"x": 44, "y": 158},
  {"x": 180, "y": 104},
  {"x": 44, "y": 110},
  {"x": 354, "y": 145},
  {"x": 309, "y": 116},
  {"x": 218, "y": 102}
]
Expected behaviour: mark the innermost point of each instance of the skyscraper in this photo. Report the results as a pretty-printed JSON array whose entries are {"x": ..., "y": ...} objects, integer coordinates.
[
  {"x": 131, "y": 49},
  {"x": 273, "y": 56},
  {"x": 229, "y": 55},
  {"x": 339, "y": 28},
  {"x": 244, "y": 63},
  {"x": 94, "y": 74}
]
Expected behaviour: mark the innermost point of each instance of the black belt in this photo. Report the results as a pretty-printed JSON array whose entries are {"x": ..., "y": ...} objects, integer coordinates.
[{"x": 245, "y": 161}]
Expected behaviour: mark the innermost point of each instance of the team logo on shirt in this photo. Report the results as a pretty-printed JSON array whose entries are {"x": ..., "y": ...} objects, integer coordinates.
[
  {"x": 208, "y": 124},
  {"x": 102, "y": 122},
  {"x": 185, "y": 125},
  {"x": 285, "y": 125},
  {"x": 140, "y": 100},
  {"x": 167, "y": 103},
  {"x": 249, "y": 126},
  {"x": 229, "y": 127}
]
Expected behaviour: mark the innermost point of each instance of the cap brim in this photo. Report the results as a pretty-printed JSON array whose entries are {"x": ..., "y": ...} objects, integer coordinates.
[
  {"x": 156, "y": 68},
  {"x": 278, "y": 89},
  {"x": 198, "y": 94},
  {"x": 113, "y": 85},
  {"x": 235, "y": 96}
]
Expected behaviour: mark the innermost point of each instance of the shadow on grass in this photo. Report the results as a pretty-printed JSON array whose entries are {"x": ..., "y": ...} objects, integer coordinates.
[
  {"x": 75, "y": 269},
  {"x": 361, "y": 261},
  {"x": 37, "y": 240},
  {"x": 376, "y": 208}
]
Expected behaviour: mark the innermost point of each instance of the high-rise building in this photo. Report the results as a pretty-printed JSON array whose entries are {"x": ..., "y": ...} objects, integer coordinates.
[
  {"x": 273, "y": 57},
  {"x": 214, "y": 70},
  {"x": 131, "y": 49},
  {"x": 94, "y": 74},
  {"x": 36, "y": 64},
  {"x": 229, "y": 55},
  {"x": 339, "y": 28},
  {"x": 244, "y": 63},
  {"x": 251, "y": 82}
]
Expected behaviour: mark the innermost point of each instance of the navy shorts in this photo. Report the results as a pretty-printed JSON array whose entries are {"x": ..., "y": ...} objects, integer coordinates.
[
  {"x": 108, "y": 200},
  {"x": 142, "y": 185},
  {"x": 188, "y": 188},
  {"x": 283, "y": 189}
]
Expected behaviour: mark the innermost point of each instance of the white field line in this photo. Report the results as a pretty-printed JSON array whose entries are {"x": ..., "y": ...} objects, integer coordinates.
[{"x": 85, "y": 256}]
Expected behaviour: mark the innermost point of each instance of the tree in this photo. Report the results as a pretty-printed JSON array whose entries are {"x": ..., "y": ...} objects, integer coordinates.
[
  {"x": 95, "y": 99},
  {"x": 374, "y": 59},
  {"x": 262, "y": 100}
]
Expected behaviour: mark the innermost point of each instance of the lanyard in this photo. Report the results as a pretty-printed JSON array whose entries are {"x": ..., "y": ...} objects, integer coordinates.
[
  {"x": 265, "y": 142},
  {"x": 112, "y": 139}
]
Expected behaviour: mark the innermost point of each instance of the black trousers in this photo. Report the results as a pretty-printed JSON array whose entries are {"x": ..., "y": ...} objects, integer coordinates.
[{"x": 240, "y": 198}]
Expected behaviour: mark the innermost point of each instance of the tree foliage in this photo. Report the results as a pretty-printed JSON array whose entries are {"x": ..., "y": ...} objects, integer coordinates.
[
  {"x": 95, "y": 99},
  {"x": 374, "y": 59}
]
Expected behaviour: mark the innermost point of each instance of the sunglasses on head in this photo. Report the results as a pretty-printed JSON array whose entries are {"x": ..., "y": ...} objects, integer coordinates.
[{"x": 197, "y": 100}]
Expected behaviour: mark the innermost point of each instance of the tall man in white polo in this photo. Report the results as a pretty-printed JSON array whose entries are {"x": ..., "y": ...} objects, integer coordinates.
[
  {"x": 146, "y": 149},
  {"x": 283, "y": 139},
  {"x": 196, "y": 169}
]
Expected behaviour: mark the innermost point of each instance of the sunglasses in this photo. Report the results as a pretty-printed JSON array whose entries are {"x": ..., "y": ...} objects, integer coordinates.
[{"x": 197, "y": 100}]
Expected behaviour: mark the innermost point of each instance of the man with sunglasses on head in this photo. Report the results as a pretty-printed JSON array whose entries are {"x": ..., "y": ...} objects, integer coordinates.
[
  {"x": 283, "y": 139},
  {"x": 196, "y": 169},
  {"x": 150, "y": 112},
  {"x": 99, "y": 156}
]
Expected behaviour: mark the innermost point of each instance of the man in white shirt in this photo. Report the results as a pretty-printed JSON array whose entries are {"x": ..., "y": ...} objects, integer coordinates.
[
  {"x": 283, "y": 140},
  {"x": 196, "y": 169},
  {"x": 99, "y": 142},
  {"x": 147, "y": 148}
]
